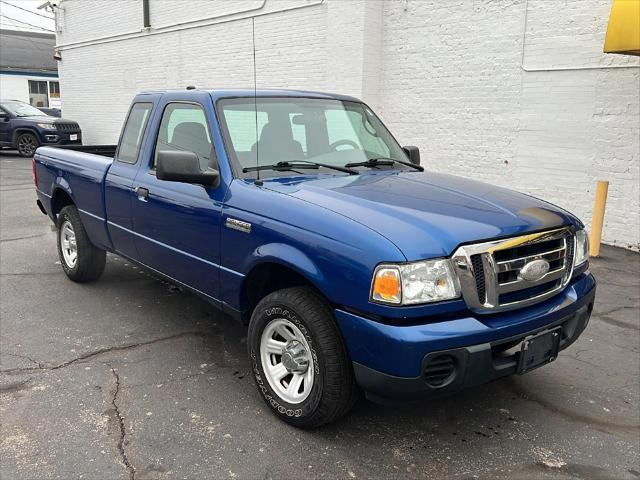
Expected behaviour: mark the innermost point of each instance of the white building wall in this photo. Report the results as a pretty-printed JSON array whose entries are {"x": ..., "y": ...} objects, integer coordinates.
[
  {"x": 545, "y": 113},
  {"x": 548, "y": 117},
  {"x": 16, "y": 87}
]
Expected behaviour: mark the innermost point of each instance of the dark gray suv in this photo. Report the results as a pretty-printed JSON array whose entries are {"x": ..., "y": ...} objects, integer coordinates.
[{"x": 25, "y": 128}]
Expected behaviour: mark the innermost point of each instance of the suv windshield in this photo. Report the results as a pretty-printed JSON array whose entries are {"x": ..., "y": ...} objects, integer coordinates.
[
  {"x": 290, "y": 129},
  {"x": 21, "y": 109}
]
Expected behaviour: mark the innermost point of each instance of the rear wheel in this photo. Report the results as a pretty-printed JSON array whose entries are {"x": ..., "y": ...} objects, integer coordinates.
[
  {"x": 80, "y": 259},
  {"x": 299, "y": 360},
  {"x": 27, "y": 144}
]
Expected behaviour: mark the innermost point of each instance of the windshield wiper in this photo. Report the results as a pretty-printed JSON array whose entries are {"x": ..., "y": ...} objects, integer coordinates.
[
  {"x": 383, "y": 161},
  {"x": 298, "y": 164}
]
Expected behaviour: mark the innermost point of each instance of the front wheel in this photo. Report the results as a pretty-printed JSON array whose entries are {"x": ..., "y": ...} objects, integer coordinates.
[
  {"x": 299, "y": 360},
  {"x": 27, "y": 144},
  {"x": 80, "y": 259}
]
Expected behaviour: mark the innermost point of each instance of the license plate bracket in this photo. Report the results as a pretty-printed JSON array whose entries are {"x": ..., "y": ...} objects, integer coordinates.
[{"x": 539, "y": 349}]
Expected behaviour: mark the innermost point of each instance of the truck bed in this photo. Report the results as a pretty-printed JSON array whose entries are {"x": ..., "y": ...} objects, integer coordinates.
[{"x": 79, "y": 172}]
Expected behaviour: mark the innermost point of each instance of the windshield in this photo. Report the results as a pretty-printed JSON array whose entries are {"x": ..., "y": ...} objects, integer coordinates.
[
  {"x": 21, "y": 109},
  {"x": 291, "y": 129}
]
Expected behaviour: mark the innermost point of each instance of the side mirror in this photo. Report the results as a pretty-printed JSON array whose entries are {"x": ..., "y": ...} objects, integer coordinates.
[
  {"x": 4, "y": 117},
  {"x": 413, "y": 153},
  {"x": 176, "y": 166}
]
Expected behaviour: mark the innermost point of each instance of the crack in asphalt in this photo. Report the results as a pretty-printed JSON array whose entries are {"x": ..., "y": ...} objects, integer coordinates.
[
  {"x": 101, "y": 351},
  {"x": 568, "y": 414},
  {"x": 123, "y": 433},
  {"x": 28, "y": 274},
  {"x": 617, "y": 309},
  {"x": 15, "y": 386},
  {"x": 617, "y": 323},
  {"x": 26, "y": 357},
  {"x": 24, "y": 237}
]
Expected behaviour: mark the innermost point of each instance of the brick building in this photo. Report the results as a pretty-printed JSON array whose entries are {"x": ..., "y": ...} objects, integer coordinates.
[{"x": 517, "y": 93}]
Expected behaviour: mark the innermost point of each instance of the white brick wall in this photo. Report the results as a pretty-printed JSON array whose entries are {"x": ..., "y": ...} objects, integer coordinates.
[
  {"x": 546, "y": 113},
  {"x": 455, "y": 85}
]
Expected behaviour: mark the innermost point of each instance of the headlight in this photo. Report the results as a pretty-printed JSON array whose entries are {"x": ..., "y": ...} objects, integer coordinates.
[
  {"x": 47, "y": 126},
  {"x": 412, "y": 283},
  {"x": 581, "y": 254}
]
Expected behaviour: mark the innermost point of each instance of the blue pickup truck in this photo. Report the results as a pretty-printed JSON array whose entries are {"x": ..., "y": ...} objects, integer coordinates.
[{"x": 300, "y": 215}]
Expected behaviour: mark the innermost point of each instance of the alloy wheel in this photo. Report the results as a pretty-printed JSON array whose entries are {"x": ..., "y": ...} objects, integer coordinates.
[
  {"x": 287, "y": 361},
  {"x": 68, "y": 244}
]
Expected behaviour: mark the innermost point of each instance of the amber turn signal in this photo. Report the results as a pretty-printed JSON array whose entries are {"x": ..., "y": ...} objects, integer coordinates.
[{"x": 386, "y": 286}]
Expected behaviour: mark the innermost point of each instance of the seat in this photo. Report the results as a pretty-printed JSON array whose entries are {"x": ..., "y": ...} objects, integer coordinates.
[
  {"x": 192, "y": 136},
  {"x": 276, "y": 144}
]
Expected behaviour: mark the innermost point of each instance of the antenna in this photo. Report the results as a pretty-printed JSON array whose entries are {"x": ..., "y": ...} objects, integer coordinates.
[{"x": 255, "y": 99}]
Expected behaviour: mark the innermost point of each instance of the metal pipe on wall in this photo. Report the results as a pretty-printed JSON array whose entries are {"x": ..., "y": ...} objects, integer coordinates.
[
  {"x": 145, "y": 14},
  {"x": 202, "y": 22}
]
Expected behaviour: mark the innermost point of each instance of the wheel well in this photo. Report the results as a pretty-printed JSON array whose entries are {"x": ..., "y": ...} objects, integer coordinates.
[
  {"x": 60, "y": 200},
  {"x": 21, "y": 130},
  {"x": 264, "y": 279}
]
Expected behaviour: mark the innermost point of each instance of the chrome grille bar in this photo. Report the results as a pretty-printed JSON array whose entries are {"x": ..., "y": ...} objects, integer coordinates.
[
  {"x": 518, "y": 263},
  {"x": 492, "y": 278}
]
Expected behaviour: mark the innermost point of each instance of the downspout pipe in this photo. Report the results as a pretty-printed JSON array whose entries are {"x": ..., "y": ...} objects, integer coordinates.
[{"x": 145, "y": 14}]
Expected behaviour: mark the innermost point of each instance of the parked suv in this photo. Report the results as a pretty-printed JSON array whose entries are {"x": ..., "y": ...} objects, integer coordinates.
[{"x": 25, "y": 128}]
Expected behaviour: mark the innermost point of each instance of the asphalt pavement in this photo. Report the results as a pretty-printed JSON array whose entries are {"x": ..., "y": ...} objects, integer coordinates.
[{"x": 131, "y": 378}]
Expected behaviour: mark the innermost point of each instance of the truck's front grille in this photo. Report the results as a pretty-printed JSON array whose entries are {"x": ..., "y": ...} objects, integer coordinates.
[
  {"x": 478, "y": 273},
  {"x": 518, "y": 271}
]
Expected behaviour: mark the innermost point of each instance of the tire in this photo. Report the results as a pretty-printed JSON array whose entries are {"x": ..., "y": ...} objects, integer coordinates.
[
  {"x": 328, "y": 387},
  {"x": 27, "y": 144},
  {"x": 85, "y": 263}
]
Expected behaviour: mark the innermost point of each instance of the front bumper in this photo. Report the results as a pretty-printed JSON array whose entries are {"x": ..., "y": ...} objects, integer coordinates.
[
  {"x": 389, "y": 361},
  {"x": 60, "y": 138}
]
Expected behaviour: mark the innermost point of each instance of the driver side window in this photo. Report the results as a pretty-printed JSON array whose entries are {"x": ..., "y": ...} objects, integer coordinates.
[{"x": 184, "y": 127}]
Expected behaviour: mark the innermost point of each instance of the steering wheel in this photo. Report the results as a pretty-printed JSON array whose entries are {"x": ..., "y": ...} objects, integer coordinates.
[{"x": 335, "y": 145}]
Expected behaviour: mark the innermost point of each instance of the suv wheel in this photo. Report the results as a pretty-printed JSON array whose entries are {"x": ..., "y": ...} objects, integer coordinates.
[
  {"x": 80, "y": 259},
  {"x": 299, "y": 360},
  {"x": 27, "y": 144}
]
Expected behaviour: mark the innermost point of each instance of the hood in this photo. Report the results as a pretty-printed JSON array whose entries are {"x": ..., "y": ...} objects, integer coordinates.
[
  {"x": 45, "y": 119},
  {"x": 39, "y": 118},
  {"x": 425, "y": 214}
]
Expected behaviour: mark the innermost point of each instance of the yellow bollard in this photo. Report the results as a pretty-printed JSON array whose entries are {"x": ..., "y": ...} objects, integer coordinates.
[{"x": 598, "y": 217}]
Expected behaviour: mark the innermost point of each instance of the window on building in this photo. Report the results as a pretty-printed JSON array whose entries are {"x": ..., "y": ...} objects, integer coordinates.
[
  {"x": 54, "y": 89},
  {"x": 38, "y": 96},
  {"x": 134, "y": 132},
  {"x": 184, "y": 127}
]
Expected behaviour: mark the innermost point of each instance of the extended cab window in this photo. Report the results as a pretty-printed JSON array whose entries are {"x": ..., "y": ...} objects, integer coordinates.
[
  {"x": 184, "y": 127},
  {"x": 133, "y": 132}
]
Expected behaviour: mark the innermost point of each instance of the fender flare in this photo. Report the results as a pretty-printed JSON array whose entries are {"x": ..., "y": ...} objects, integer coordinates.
[
  {"x": 20, "y": 130},
  {"x": 60, "y": 185},
  {"x": 290, "y": 257}
]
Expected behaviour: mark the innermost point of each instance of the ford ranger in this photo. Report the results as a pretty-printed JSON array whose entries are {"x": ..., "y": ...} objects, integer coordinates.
[{"x": 299, "y": 214}]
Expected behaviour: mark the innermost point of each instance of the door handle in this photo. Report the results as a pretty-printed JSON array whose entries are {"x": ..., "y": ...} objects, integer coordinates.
[{"x": 142, "y": 193}]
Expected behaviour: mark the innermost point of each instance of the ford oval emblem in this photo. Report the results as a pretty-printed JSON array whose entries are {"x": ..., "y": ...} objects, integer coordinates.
[{"x": 534, "y": 270}]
